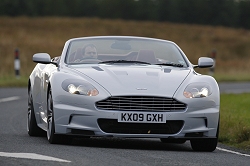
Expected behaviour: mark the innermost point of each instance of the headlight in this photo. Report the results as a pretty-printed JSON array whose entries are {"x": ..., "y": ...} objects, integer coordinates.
[
  {"x": 197, "y": 90},
  {"x": 79, "y": 87}
]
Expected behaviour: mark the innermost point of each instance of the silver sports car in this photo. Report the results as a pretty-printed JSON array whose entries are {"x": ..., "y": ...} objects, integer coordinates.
[{"x": 123, "y": 86}]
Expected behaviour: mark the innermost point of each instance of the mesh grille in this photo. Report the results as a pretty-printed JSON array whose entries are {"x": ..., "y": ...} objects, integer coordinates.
[
  {"x": 112, "y": 126},
  {"x": 140, "y": 103}
]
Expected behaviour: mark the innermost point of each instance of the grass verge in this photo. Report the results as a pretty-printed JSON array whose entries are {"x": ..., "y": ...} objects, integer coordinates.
[
  {"x": 13, "y": 81},
  {"x": 235, "y": 120}
]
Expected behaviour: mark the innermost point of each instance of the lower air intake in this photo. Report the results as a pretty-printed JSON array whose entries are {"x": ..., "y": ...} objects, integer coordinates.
[{"x": 112, "y": 126}]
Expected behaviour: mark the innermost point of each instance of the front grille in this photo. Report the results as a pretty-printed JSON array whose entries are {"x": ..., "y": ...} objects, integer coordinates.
[
  {"x": 140, "y": 103},
  {"x": 112, "y": 126}
]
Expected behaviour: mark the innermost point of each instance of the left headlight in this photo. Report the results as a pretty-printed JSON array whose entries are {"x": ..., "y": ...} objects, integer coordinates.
[
  {"x": 197, "y": 90},
  {"x": 79, "y": 87}
]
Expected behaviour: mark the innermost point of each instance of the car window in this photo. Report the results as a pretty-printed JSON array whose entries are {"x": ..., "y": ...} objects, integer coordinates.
[{"x": 129, "y": 49}]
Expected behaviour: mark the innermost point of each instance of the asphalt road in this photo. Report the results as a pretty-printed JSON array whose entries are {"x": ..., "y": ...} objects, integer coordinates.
[{"x": 18, "y": 148}]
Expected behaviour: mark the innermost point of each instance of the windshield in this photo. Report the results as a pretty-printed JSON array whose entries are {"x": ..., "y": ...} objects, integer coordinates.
[{"x": 125, "y": 50}]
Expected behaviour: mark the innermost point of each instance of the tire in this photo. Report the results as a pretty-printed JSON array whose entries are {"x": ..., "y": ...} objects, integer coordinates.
[
  {"x": 173, "y": 141},
  {"x": 51, "y": 136},
  {"x": 32, "y": 128},
  {"x": 206, "y": 144}
]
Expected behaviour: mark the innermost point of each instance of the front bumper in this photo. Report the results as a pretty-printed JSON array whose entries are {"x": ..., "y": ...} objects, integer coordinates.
[{"x": 80, "y": 121}]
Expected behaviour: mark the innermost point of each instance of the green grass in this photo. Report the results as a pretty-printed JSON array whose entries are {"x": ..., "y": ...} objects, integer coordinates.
[
  {"x": 13, "y": 81},
  {"x": 229, "y": 76},
  {"x": 240, "y": 77},
  {"x": 235, "y": 120}
]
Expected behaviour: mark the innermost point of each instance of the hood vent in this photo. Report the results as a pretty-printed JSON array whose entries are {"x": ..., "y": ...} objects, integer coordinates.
[
  {"x": 167, "y": 70},
  {"x": 97, "y": 68}
]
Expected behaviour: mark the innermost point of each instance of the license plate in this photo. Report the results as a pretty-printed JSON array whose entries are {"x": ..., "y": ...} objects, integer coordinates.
[{"x": 142, "y": 117}]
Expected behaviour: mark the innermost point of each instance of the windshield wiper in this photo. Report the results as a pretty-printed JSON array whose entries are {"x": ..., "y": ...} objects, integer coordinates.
[
  {"x": 124, "y": 61},
  {"x": 170, "y": 64}
]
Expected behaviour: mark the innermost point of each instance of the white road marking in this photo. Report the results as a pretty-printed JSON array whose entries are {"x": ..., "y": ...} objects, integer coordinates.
[
  {"x": 230, "y": 151},
  {"x": 9, "y": 99},
  {"x": 32, "y": 156}
]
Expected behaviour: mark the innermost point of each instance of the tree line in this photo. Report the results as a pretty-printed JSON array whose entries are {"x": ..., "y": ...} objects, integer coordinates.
[{"x": 231, "y": 13}]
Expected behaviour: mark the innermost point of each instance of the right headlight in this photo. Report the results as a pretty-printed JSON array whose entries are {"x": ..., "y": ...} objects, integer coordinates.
[
  {"x": 79, "y": 87},
  {"x": 197, "y": 90}
]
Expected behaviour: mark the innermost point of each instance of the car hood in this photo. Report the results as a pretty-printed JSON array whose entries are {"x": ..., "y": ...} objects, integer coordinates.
[{"x": 137, "y": 80}]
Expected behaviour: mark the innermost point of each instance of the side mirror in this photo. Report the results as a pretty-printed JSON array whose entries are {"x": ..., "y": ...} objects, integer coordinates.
[
  {"x": 42, "y": 58},
  {"x": 205, "y": 62}
]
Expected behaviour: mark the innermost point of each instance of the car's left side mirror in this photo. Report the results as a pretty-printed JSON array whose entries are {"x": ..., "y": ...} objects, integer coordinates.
[
  {"x": 205, "y": 62},
  {"x": 42, "y": 58}
]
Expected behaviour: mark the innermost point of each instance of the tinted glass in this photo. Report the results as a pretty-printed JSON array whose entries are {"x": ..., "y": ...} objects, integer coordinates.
[{"x": 130, "y": 49}]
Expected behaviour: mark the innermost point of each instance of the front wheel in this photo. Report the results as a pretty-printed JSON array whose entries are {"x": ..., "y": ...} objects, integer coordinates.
[
  {"x": 52, "y": 137},
  {"x": 206, "y": 144}
]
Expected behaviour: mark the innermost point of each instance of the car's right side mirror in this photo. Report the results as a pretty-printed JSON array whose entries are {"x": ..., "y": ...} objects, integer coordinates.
[{"x": 205, "y": 62}]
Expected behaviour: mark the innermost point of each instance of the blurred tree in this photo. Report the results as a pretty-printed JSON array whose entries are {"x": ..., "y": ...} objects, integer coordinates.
[
  {"x": 233, "y": 13},
  {"x": 244, "y": 13},
  {"x": 168, "y": 10},
  {"x": 146, "y": 9},
  {"x": 124, "y": 9}
]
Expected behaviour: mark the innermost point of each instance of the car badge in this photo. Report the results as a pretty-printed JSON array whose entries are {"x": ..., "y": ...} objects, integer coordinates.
[{"x": 141, "y": 88}]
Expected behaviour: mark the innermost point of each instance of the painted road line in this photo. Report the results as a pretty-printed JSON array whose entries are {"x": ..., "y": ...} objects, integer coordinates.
[
  {"x": 230, "y": 151},
  {"x": 32, "y": 156},
  {"x": 9, "y": 99}
]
